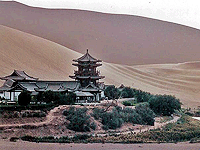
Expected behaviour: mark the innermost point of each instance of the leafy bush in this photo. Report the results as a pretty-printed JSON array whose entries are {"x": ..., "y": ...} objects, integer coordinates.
[
  {"x": 127, "y": 103},
  {"x": 48, "y": 96},
  {"x": 78, "y": 138},
  {"x": 142, "y": 96},
  {"x": 93, "y": 126},
  {"x": 164, "y": 104},
  {"x": 79, "y": 120},
  {"x": 188, "y": 130},
  {"x": 111, "y": 120},
  {"x": 57, "y": 97},
  {"x": 112, "y": 92},
  {"x": 139, "y": 95},
  {"x": 24, "y": 98},
  {"x": 14, "y": 139},
  {"x": 68, "y": 99},
  {"x": 146, "y": 113},
  {"x": 97, "y": 113},
  {"x": 116, "y": 118},
  {"x": 127, "y": 92},
  {"x": 130, "y": 115}
]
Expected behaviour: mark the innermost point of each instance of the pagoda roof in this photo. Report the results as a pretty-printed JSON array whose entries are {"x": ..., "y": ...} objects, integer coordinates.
[
  {"x": 87, "y": 77},
  {"x": 18, "y": 75},
  {"x": 40, "y": 86},
  {"x": 87, "y": 58},
  {"x": 86, "y": 65},
  {"x": 90, "y": 88},
  {"x": 7, "y": 85}
]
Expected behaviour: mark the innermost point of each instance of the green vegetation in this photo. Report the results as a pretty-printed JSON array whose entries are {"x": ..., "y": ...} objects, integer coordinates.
[
  {"x": 164, "y": 104},
  {"x": 78, "y": 138},
  {"x": 112, "y": 92},
  {"x": 127, "y": 92},
  {"x": 160, "y": 104},
  {"x": 79, "y": 120},
  {"x": 146, "y": 113},
  {"x": 44, "y": 107},
  {"x": 56, "y": 97},
  {"x": 24, "y": 98},
  {"x": 115, "y": 119},
  {"x": 129, "y": 103},
  {"x": 186, "y": 129}
]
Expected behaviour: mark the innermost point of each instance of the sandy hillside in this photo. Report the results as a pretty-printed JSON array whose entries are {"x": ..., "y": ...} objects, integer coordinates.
[
  {"x": 50, "y": 61},
  {"x": 120, "y": 39}
]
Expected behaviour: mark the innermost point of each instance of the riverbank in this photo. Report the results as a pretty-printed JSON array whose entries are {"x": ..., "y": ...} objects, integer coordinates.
[{"x": 22, "y": 145}]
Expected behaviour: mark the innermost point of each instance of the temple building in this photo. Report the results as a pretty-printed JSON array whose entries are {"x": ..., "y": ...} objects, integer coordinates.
[
  {"x": 86, "y": 83},
  {"x": 88, "y": 76}
]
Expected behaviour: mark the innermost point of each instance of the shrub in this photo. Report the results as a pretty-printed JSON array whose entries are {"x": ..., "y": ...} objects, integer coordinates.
[
  {"x": 97, "y": 113},
  {"x": 130, "y": 115},
  {"x": 164, "y": 104},
  {"x": 127, "y": 103},
  {"x": 67, "y": 99},
  {"x": 112, "y": 92},
  {"x": 24, "y": 98},
  {"x": 28, "y": 138},
  {"x": 111, "y": 120},
  {"x": 93, "y": 126},
  {"x": 14, "y": 139},
  {"x": 146, "y": 113},
  {"x": 48, "y": 96},
  {"x": 115, "y": 119},
  {"x": 142, "y": 96},
  {"x": 79, "y": 120},
  {"x": 57, "y": 97},
  {"x": 127, "y": 92}
]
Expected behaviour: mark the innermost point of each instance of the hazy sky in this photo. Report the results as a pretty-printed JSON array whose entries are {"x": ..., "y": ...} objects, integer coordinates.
[{"x": 186, "y": 12}]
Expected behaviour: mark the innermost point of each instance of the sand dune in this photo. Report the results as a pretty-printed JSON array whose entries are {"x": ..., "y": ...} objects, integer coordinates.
[
  {"x": 38, "y": 57},
  {"x": 50, "y": 61},
  {"x": 120, "y": 39}
]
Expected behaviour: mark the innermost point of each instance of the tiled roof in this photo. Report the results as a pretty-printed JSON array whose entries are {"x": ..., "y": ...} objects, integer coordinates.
[
  {"x": 83, "y": 94},
  {"x": 7, "y": 85},
  {"x": 87, "y": 57},
  {"x": 18, "y": 76},
  {"x": 90, "y": 88},
  {"x": 57, "y": 86}
]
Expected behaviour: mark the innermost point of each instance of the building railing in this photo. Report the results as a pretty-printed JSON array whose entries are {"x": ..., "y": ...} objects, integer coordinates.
[{"x": 87, "y": 73}]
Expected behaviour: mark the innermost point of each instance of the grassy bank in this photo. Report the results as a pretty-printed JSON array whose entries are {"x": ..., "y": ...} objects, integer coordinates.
[{"x": 186, "y": 129}]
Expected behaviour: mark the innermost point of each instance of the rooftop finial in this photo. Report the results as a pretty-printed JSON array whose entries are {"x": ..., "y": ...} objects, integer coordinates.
[{"x": 87, "y": 50}]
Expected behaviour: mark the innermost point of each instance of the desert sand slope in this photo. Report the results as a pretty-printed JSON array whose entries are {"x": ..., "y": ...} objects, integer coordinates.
[
  {"x": 38, "y": 57},
  {"x": 181, "y": 80},
  {"x": 50, "y": 61},
  {"x": 120, "y": 39}
]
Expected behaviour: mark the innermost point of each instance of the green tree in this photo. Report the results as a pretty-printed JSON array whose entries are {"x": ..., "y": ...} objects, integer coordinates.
[
  {"x": 24, "y": 98},
  {"x": 79, "y": 120},
  {"x": 112, "y": 92},
  {"x": 146, "y": 113},
  {"x": 48, "y": 96},
  {"x": 164, "y": 104},
  {"x": 57, "y": 97},
  {"x": 142, "y": 96},
  {"x": 67, "y": 99},
  {"x": 127, "y": 92}
]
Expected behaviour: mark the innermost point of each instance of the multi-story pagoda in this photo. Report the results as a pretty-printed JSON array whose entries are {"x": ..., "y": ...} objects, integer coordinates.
[{"x": 88, "y": 75}]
